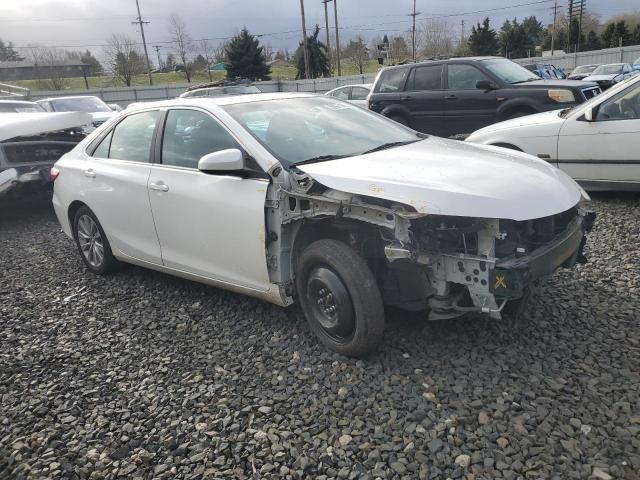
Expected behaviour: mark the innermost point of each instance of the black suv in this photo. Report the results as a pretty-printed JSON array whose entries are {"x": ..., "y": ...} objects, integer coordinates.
[{"x": 460, "y": 95}]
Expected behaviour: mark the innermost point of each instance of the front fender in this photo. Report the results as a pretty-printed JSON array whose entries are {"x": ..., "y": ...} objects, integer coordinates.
[{"x": 514, "y": 104}]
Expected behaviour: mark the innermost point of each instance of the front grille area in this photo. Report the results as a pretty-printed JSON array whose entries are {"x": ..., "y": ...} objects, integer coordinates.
[{"x": 532, "y": 234}]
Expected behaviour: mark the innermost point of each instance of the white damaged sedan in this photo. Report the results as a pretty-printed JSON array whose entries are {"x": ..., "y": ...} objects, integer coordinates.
[{"x": 299, "y": 198}]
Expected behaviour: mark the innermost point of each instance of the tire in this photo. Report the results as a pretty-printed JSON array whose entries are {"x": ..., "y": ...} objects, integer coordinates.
[
  {"x": 92, "y": 242},
  {"x": 400, "y": 119},
  {"x": 340, "y": 298}
]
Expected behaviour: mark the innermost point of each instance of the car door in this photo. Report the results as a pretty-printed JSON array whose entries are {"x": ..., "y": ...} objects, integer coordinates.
[
  {"x": 210, "y": 225},
  {"x": 359, "y": 96},
  {"x": 608, "y": 148},
  {"x": 467, "y": 108},
  {"x": 342, "y": 93},
  {"x": 115, "y": 186},
  {"x": 424, "y": 98}
]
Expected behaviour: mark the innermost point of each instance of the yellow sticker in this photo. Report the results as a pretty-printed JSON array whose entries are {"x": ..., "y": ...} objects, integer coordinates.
[{"x": 500, "y": 282}]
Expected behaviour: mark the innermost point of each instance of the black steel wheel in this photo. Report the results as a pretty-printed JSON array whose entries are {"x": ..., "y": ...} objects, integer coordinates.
[{"x": 340, "y": 298}]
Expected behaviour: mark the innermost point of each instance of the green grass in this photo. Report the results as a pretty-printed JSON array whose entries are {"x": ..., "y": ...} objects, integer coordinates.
[{"x": 106, "y": 81}]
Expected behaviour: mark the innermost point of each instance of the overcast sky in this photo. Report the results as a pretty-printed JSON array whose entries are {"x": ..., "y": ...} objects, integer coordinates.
[{"x": 88, "y": 23}]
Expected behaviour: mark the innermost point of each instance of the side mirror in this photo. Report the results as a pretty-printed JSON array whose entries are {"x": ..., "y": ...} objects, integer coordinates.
[
  {"x": 229, "y": 160},
  {"x": 588, "y": 114},
  {"x": 484, "y": 85}
]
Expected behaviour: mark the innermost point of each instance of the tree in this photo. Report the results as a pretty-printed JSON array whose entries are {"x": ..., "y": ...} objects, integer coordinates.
[
  {"x": 51, "y": 61},
  {"x": 609, "y": 39},
  {"x": 245, "y": 58},
  {"x": 636, "y": 35},
  {"x": 182, "y": 42},
  {"x": 125, "y": 58},
  {"x": 95, "y": 67},
  {"x": 519, "y": 40},
  {"x": 358, "y": 53},
  {"x": 399, "y": 49},
  {"x": 483, "y": 39},
  {"x": 623, "y": 34},
  {"x": 534, "y": 32},
  {"x": 317, "y": 54},
  {"x": 434, "y": 37},
  {"x": 593, "y": 41},
  {"x": 170, "y": 62},
  {"x": 208, "y": 55},
  {"x": 8, "y": 53}
]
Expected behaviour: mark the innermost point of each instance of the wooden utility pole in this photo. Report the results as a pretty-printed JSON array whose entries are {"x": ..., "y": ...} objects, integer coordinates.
[
  {"x": 413, "y": 31},
  {"x": 553, "y": 30},
  {"x": 326, "y": 23},
  {"x": 140, "y": 23},
  {"x": 304, "y": 41},
  {"x": 335, "y": 14}
]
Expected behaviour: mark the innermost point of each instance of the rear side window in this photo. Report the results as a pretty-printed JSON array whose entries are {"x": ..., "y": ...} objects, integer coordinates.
[
  {"x": 359, "y": 93},
  {"x": 392, "y": 80},
  {"x": 102, "y": 151},
  {"x": 132, "y": 137},
  {"x": 426, "y": 78}
]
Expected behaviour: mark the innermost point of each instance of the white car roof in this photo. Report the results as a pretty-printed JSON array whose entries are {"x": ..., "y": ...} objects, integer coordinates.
[
  {"x": 220, "y": 100},
  {"x": 71, "y": 97},
  {"x": 21, "y": 102}
]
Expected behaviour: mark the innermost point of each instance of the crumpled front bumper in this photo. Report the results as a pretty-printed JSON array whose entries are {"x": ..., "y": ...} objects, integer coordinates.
[
  {"x": 12, "y": 179},
  {"x": 513, "y": 274}
]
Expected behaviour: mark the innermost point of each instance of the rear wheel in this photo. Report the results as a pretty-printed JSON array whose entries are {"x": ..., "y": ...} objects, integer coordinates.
[
  {"x": 340, "y": 298},
  {"x": 401, "y": 119},
  {"x": 92, "y": 242}
]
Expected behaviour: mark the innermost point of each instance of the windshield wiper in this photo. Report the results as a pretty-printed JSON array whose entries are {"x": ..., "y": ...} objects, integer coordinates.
[
  {"x": 320, "y": 158},
  {"x": 385, "y": 146},
  {"x": 527, "y": 80}
]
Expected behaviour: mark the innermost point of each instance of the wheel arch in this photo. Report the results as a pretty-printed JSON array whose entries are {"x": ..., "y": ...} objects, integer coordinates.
[
  {"x": 71, "y": 213},
  {"x": 517, "y": 105}
]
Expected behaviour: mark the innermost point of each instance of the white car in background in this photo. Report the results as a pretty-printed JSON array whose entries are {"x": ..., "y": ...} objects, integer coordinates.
[
  {"x": 297, "y": 197},
  {"x": 356, "y": 94},
  {"x": 597, "y": 142},
  {"x": 100, "y": 111},
  {"x": 20, "y": 106}
]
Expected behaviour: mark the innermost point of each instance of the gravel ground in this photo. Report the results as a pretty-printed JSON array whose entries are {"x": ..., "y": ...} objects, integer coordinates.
[{"x": 142, "y": 375}]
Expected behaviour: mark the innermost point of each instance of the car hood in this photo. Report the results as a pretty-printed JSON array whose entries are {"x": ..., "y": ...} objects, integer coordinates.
[
  {"x": 556, "y": 83},
  {"x": 578, "y": 76},
  {"x": 537, "y": 125},
  {"x": 447, "y": 177},
  {"x": 102, "y": 116},
  {"x": 599, "y": 78},
  {"x": 27, "y": 124}
]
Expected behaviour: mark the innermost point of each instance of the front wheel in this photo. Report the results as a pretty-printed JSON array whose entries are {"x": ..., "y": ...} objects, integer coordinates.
[{"x": 340, "y": 298}]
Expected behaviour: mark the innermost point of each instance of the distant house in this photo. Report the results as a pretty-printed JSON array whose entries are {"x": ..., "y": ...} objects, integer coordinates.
[
  {"x": 279, "y": 62},
  {"x": 28, "y": 70},
  {"x": 218, "y": 67}
]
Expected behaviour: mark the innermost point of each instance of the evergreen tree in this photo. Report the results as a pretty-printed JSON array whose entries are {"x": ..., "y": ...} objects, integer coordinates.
[
  {"x": 623, "y": 33},
  {"x": 514, "y": 40},
  {"x": 8, "y": 53},
  {"x": 482, "y": 40},
  {"x": 318, "y": 60},
  {"x": 636, "y": 35},
  {"x": 593, "y": 41},
  {"x": 95, "y": 67},
  {"x": 245, "y": 58},
  {"x": 609, "y": 39}
]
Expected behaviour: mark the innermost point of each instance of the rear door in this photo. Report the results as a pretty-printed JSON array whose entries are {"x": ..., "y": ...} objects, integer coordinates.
[
  {"x": 467, "y": 108},
  {"x": 424, "y": 98},
  {"x": 359, "y": 96},
  {"x": 114, "y": 183}
]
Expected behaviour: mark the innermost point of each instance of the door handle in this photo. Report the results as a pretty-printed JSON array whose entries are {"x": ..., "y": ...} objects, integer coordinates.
[
  {"x": 406, "y": 97},
  {"x": 89, "y": 173},
  {"x": 160, "y": 186},
  {"x": 451, "y": 97}
]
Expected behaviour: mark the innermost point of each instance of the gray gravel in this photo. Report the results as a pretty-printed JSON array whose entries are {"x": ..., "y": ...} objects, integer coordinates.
[{"x": 142, "y": 375}]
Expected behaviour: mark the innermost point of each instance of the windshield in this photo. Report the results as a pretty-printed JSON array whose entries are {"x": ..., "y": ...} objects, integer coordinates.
[
  {"x": 509, "y": 71},
  {"x": 240, "y": 90},
  {"x": 608, "y": 70},
  {"x": 80, "y": 104},
  {"x": 295, "y": 130},
  {"x": 585, "y": 69},
  {"x": 19, "y": 107}
]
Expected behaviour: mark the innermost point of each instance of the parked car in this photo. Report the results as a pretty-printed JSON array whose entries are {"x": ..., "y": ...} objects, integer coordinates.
[
  {"x": 608, "y": 75},
  {"x": 100, "y": 111},
  {"x": 29, "y": 146},
  {"x": 460, "y": 95},
  {"x": 597, "y": 143},
  {"x": 115, "y": 107},
  {"x": 582, "y": 72},
  {"x": 636, "y": 65},
  {"x": 546, "y": 71},
  {"x": 356, "y": 94},
  {"x": 223, "y": 87},
  {"x": 300, "y": 197},
  {"x": 20, "y": 106}
]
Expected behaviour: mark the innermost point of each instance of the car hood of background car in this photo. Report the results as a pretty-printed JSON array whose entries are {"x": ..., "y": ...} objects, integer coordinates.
[
  {"x": 543, "y": 124},
  {"x": 447, "y": 177},
  {"x": 27, "y": 124},
  {"x": 556, "y": 84},
  {"x": 599, "y": 78},
  {"x": 102, "y": 116}
]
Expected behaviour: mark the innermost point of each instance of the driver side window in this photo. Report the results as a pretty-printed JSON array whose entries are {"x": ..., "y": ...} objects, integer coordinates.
[
  {"x": 191, "y": 134},
  {"x": 623, "y": 106}
]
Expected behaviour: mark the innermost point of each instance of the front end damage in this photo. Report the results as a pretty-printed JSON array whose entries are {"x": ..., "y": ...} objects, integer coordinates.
[{"x": 448, "y": 265}]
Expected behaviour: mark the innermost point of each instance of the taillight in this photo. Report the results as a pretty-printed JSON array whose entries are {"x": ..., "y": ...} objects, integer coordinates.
[{"x": 54, "y": 172}]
